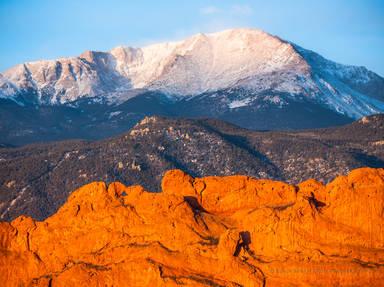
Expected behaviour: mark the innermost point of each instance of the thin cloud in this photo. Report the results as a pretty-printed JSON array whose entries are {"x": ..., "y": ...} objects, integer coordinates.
[
  {"x": 242, "y": 10},
  {"x": 209, "y": 10}
]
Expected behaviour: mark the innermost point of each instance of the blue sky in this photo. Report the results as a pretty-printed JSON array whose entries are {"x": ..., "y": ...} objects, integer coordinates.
[{"x": 347, "y": 31}]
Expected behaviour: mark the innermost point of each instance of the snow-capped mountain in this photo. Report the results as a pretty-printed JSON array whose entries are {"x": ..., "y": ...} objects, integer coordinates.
[
  {"x": 246, "y": 58},
  {"x": 237, "y": 73}
]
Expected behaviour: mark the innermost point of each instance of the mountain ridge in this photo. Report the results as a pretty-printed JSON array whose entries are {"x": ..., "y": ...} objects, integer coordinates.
[{"x": 203, "y": 63}]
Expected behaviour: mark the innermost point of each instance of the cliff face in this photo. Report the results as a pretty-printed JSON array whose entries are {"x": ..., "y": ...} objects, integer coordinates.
[{"x": 213, "y": 231}]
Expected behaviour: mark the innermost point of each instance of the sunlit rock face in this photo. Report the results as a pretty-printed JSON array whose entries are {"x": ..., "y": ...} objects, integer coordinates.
[{"x": 213, "y": 231}]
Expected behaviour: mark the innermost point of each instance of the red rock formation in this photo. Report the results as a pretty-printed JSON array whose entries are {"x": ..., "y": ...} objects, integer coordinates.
[{"x": 213, "y": 231}]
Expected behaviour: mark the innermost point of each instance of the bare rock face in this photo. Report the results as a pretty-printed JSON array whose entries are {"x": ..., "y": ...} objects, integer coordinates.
[{"x": 213, "y": 231}]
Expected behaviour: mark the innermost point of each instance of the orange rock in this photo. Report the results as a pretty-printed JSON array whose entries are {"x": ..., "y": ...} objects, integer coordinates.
[{"x": 213, "y": 231}]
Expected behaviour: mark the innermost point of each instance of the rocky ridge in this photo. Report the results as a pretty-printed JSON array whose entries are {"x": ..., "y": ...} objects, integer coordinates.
[
  {"x": 213, "y": 231},
  {"x": 35, "y": 180}
]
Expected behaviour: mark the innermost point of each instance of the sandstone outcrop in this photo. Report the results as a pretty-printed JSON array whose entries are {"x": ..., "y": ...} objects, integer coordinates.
[{"x": 212, "y": 231}]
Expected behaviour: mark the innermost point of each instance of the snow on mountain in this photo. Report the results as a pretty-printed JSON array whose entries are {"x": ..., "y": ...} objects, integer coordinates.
[
  {"x": 7, "y": 88},
  {"x": 247, "y": 58}
]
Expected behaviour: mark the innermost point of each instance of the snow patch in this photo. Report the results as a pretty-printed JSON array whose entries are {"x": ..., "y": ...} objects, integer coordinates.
[
  {"x": 240, "y": 103},
  {"x": 114, "y": 114}
]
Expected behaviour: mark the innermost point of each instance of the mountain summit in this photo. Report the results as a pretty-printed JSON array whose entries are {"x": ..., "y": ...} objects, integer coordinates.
[{"x": 240, "y": 75}]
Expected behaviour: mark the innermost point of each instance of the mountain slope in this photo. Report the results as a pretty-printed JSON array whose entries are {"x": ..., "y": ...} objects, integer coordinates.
[
  {"x": 36, "y": 179},
  {"x": 241, "y": 70},
  {"x": 213, "y": 231},
  {"x": 198, "y": 64}
]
